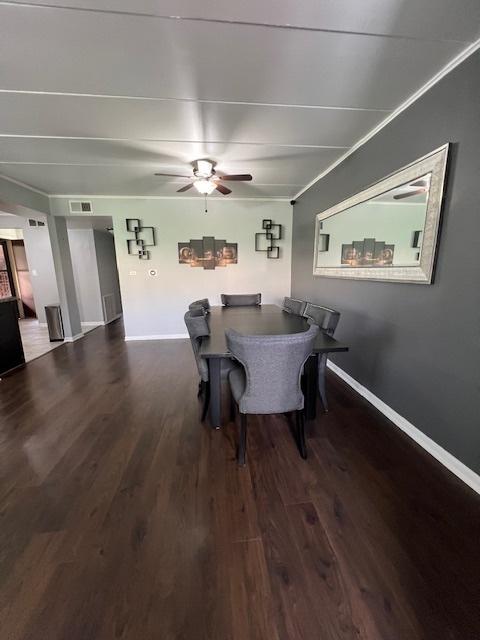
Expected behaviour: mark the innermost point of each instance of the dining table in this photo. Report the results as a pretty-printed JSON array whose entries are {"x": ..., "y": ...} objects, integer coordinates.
[{"x": 265, "y": 319}]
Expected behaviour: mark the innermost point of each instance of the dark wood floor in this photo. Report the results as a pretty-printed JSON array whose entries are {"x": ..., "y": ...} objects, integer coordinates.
[{"x": 121, "y": 516}]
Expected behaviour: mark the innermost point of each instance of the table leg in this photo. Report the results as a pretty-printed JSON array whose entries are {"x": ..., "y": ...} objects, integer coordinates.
[
  {"x": 214, "y": 369},
  {"x": 310, "y": 386}
]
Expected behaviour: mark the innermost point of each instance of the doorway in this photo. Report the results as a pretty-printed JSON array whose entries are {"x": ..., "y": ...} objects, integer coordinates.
[
  {"x": 25, "y": 290},
  {"x": 16, "y": 281}
]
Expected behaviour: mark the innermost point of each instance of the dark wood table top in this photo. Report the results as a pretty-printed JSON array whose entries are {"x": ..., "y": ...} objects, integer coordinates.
[{"x": 267, "y": 319}]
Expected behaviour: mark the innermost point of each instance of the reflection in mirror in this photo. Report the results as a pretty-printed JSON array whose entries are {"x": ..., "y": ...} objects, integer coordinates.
[
  {"x": 385, "y": 231},
  {"x": 389, "y": 230}
]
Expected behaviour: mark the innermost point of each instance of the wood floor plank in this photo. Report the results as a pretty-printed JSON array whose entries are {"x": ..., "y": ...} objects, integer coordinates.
[
  {"x": 252, "y": 610},
  {"x": 28, "y": 582},
  {"x": 124, "y": 517}
]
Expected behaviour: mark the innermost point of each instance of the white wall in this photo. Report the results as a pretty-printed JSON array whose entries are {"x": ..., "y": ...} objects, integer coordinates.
[
  {"x": 40, "y": 262},
  {"x": 85, "y": 273},
  {"x": 41, "y": 267},
  {"x": 154, "y": 306}
]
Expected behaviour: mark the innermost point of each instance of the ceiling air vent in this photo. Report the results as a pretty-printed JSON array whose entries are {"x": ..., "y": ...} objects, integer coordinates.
[{"x": 80, "y": 206}]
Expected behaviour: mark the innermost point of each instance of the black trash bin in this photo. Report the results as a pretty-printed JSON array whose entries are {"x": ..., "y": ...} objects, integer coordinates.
[{"x": 54, "y": 323}]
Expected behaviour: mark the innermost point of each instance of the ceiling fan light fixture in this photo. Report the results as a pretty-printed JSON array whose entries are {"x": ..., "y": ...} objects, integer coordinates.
[
  {"x": 205, "y": 178},
  {"x": 204, "y": 186},
  {"x": 202, "y": 168}
]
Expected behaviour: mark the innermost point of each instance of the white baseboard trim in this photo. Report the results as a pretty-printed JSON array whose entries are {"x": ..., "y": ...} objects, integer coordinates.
[
  {"x": 73, "y": 338},
  {"x": 119, "y": 315},
  {"x": 100, "y": 323},
  {"x": 164, "y": 336},
  {"x": 439, "y": 453}
]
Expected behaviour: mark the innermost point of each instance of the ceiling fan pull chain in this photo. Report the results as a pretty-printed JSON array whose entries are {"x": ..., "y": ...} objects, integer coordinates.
[{"x": 206, "y": 210}]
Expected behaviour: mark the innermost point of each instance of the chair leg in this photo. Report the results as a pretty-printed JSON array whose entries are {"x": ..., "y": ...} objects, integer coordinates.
[
  {"x": 242, "y": 445},
  {"x": 232, "y": 408},
  {"x": 322, "y": 366},
  {"x": 302, "y": 444},
  {"x": 206, "y": 399}
]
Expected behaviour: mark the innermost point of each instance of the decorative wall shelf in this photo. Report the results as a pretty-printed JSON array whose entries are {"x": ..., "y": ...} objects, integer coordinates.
[
  {"x": 265, "y": 240},
  {"x": 144, "y": 237}
]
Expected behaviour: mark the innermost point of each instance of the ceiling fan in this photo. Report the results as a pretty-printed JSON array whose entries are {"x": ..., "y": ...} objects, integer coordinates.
[
  {"x": 205, "y": 178},
  {"x": 422, "y": 188}
]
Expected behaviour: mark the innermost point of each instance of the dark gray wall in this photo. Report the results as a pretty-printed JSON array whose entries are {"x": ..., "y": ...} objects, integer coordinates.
[{"x": 417, "y": 347}]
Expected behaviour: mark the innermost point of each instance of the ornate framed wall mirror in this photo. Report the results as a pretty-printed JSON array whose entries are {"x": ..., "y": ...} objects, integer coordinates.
[{"x": 387, "y": 232}]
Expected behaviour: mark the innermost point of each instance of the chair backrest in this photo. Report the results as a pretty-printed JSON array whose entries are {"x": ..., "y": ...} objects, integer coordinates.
[
  {"x": 326, "y": 319},
  {"x": 241, "y": 300},
  {"x": 273, "y": 367},
  {"x": 291, "y": 305},
  {"x": 197, "y": 327},
  {"x": 197, "y": 312},
  {"x": 204, "y": 303}
]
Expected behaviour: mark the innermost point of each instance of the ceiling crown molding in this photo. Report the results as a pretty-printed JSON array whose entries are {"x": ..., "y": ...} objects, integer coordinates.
[
  {"x": 24, "y": 185},
  {"x": 455, "y": 62}
]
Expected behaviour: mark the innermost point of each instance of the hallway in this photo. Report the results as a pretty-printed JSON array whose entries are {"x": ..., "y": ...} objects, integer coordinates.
[{"x": 35, "y": 339}]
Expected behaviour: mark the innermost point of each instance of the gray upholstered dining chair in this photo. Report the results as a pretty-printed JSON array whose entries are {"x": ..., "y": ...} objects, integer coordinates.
[
  {"x": 294, "y": 306},
  {"x": 269, "y": 379},
  {"x": 241, "y": 300},
  {"x": 197, "y": 327},
  {"x": 203, "y": 303},
  {"x": 327, "y": 320},
  {"x": 196, "y": 322},
  {"x": 197, "y": 312}
]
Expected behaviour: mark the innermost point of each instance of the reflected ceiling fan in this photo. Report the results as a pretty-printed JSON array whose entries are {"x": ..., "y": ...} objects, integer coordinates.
[
  {"x": 205, "y": 178},
  {"x": 422, "y": 188}
]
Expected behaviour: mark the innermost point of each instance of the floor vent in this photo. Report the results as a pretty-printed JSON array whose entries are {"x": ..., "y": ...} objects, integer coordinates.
[
  {"x": 109, "y": 308},
  {"x": 80, "y": 206}
]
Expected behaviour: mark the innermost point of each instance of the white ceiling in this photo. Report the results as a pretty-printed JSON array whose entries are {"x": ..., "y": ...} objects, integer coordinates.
[{"x": 277, "y": 88}]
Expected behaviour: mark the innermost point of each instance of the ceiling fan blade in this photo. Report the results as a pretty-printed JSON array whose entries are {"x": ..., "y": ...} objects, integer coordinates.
[
  {"x": 185, "y": 188},
  {"x": 172, "y": 175},
  {"x": 419, "y": 183},
  {"x": 409, "y": 194},
  {"x": 245, "y": 177},
  {"x": 223, "y": 189}
]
